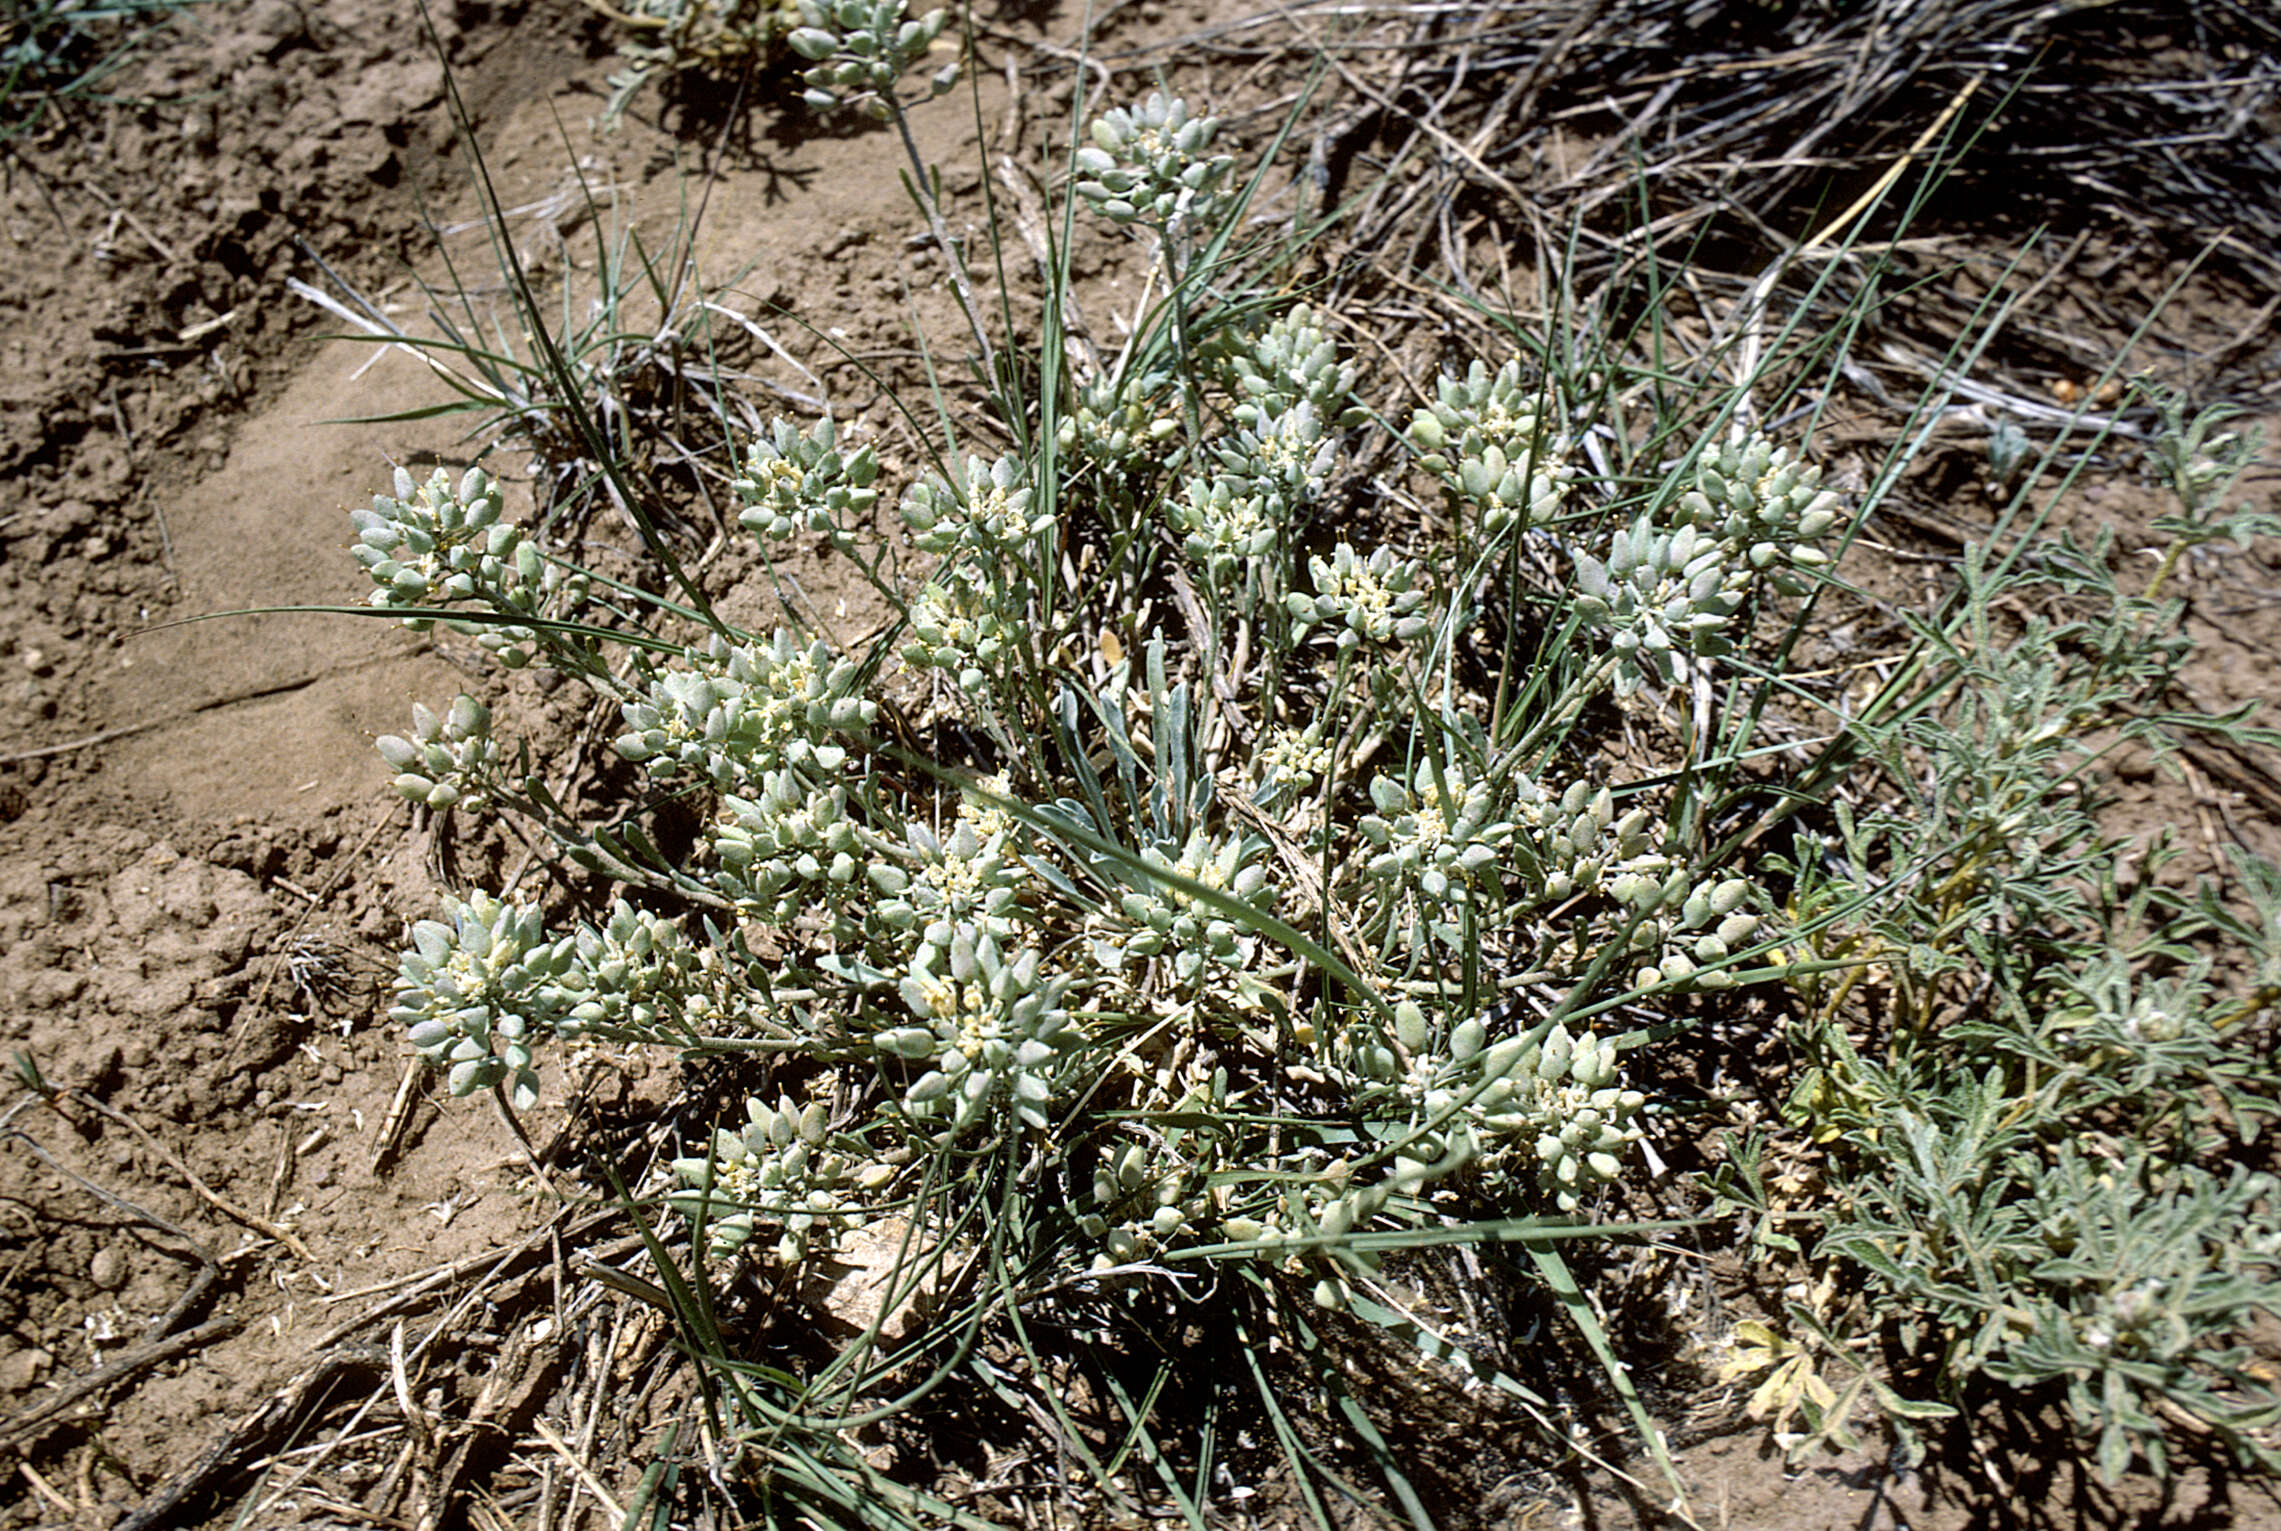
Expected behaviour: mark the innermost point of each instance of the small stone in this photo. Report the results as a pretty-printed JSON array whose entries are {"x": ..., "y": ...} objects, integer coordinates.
[
  {"x": 108, "y": 1269},
  {"x": 22, "y": 1371}
]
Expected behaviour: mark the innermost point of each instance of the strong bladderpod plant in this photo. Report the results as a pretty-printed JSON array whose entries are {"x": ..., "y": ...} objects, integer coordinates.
[
  {"x": 1663, "y": 598},
  {"x": 780, "y": 1174},
  {"x": 629, "y": 979},
  {"x": 959, "y": 625},
  {"x": 991, "y": 513},
  {"x": 1147, "y": 1196},
  {"x": 1567, "y": 844},
  {"x": 1227, "y": 528},
  {"x": 969, "y": 879},
  {"x": 448, "y": 760},
  {"x": 1281, "y": 454},
  {"x": 1550, "y": 1102},
  {"x": 1294, "y": 361},
  {"x": 1167, "y": 919},
  {"x": 1151, "y": 165},
  {"x": 1210, "y": 992},
  {"x": 1436, "y": 836},
  {"x": 993, "y": 1029},
  {"x": 1670, "y": 583},
  {"x": 477, "y": 994},
  {"x": 1126, "y": 420}
]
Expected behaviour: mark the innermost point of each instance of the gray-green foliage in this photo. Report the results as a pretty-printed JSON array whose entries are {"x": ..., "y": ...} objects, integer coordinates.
[
  {"x": 477, "y": 995},
  {"x": 861, "y": 49},
  {"x": 1486, "y": 437},
  {"x": 2040, "y": 1169},
  {"x": 1378, "y": 599},
  {"x": 1671, "y": 582},
  {"x": 667, "y": 36},
  {"x": 1150, "y": 164},
  {"x": 993, "y": 1028},
  {"x": 448, "y": 757},
  {"x": 1208, "y": 969},
  {"x": 782, "y": 1174},
  {"x": 800, "y": 481},
  {"x": 440, "y": 544},
  {"x": 734, "y": 714}
]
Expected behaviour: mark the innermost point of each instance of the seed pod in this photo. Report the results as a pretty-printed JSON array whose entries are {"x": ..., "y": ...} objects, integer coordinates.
[
  {"x": 1410, "y": 1026},
  {"x": 1466, "y": 1040}
]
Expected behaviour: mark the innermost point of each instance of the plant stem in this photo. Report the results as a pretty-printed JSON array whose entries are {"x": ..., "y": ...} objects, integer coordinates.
[{"x": 923, "y": 192}]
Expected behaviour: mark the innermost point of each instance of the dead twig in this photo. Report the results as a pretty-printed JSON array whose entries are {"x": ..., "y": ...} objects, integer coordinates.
[
  {"x": 168, "y": 1505},
  {"x": 206, "y": 1193},
  {"x": 61, "y": 1406}
]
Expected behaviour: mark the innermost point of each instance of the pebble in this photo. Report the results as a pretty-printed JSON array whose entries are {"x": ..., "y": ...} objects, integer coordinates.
[
  {"x": 108, "y": 1269},
  {"x": 22, "y": 1371}
]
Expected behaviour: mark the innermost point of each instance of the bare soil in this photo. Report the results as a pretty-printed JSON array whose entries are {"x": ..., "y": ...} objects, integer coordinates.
[{"x": 204, "y": 880}]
